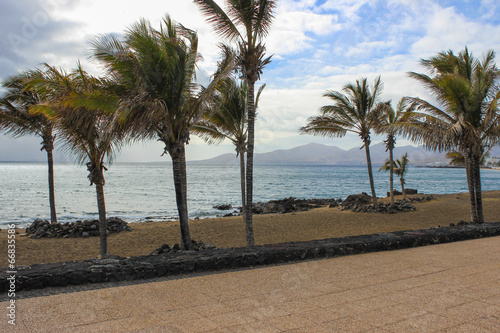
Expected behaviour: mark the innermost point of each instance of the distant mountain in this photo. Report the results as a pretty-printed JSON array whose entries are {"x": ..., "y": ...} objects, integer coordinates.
[{"x": 319, "y": 154}]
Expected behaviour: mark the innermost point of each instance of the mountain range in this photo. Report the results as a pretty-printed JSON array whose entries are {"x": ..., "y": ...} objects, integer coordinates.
[{"x": 319, "y": 154}]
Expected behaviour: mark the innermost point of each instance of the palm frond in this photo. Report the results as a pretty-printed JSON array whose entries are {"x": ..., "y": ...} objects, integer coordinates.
[{"x": 217, "y": 17}]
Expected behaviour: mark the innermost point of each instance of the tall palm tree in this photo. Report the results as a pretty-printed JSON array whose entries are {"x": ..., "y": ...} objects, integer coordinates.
[
  {"x": 226, "y": 118},
  {"x": 354, "y": 110},
  {"x": 247, "y": 22},
  {"x": 159, "y": 97},
  {"x": 16, "y": 120},
  {"x": 400, "y": 170},
  {"x": 465, "y": 118},
  {"x": 387, "y": 123},
  {"x": 86, "y": 129}
]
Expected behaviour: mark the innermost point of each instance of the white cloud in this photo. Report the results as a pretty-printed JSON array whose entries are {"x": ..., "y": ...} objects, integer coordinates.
[
  {"x": 447, "y": 29},
  {"x": 292, "y": 30},
  {"x": 348, "y": 8}
]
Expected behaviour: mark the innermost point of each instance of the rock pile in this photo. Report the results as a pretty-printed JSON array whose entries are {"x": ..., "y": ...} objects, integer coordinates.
[
  {"x": 197, "y": 246},
  {"x": 291, "y": 204},
  {"x": 43, "y": 228},
  {"x": 362, "y": 203}
]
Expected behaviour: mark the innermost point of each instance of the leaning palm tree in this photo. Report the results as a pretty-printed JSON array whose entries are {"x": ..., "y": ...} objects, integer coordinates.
[
  {"x": 87, "y": 130},
  {"x": 400, "y": 170},
  {"x": 354, "y": 110},
  {"x": 247, "y": 22},
  {"x": 387, "y": 123},
  {"x": 159, "y": 97},
  {"x": 465, "y": 118},
  {"x": 226, "y": 118},
  {"x": 16, "y": 120}
]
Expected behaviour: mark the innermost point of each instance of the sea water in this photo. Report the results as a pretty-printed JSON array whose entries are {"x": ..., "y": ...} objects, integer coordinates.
[{"x": 145, "y": 191}]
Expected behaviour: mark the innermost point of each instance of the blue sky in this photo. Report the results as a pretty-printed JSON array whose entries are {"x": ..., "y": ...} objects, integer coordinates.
[{"x": 316, "y": 46}]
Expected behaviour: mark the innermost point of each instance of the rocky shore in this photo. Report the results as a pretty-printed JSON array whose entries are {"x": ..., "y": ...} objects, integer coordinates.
[
  {"x": 360, "y": 203},
  {"x": 287, "y": 205}
]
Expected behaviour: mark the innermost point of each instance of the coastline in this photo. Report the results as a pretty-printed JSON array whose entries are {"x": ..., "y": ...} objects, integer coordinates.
[
  {"x": 319, "y": 223},
  {"x": 134, "y": 193}
]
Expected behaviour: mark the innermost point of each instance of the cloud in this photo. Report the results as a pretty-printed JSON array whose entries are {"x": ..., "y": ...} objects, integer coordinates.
[
  {"x": 348, "y": 9},
  {"x": 32, "y": 35},
  {"x": 317, "y": 45},
  {"x": 295, "y": 30},
  {"x": 447, "y": 29}
]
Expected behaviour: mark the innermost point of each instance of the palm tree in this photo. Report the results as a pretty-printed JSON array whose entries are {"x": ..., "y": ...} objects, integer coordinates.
[
  {"x": 159, "y": 97},
  {"x": 388, "y": 121},
  {"x": 458, "y": 159},
  {"x": 16, "y": 120},
  {"x": 226, "y": 118},
  {"x": 86, "y": 130},
  {"x": 354, "y": 110},
  {"x": 466, "y": 118},
  {"x": 247, "y": 22},
  {"x": 401, "y": 170}
]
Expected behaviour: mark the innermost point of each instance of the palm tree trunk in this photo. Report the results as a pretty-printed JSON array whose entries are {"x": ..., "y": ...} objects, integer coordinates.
[
  {"x": 469, "y": 169},
  {"x": 101, "y": 206},
  {"x": 242, "y": 180},
  {"x": 52, "y": 200},
  {"x": 370, "y": 173},
  {"x": 402, "y": 181},
  {"x": 249, "y": 169},
  {"x": 179, "y": 168},
  {"x": 391, "y": 173},
  {"x": 478, "y": 192}
]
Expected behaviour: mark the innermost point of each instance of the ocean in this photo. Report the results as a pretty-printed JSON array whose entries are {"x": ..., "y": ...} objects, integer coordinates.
[{"x": 145, "y": 192}]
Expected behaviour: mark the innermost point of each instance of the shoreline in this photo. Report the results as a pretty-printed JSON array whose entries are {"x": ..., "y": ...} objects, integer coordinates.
[
  {"x": 227, "y": 232},
  {"x": 222, "y": 213}
]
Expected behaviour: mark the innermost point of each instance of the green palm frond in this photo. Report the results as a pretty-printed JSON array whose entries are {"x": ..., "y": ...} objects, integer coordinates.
[
  {"x": 354, "y": 109},
  {"x": 246, "y": 22},
  {"x": 16, "y": 118},
  {"x": 226, "y": 116},
  {"x": 467, "y": 93},
  {"x": 81, "y": 106},
  {"x": 154, "y": 71},
  {"x": 401, "y": 166}
]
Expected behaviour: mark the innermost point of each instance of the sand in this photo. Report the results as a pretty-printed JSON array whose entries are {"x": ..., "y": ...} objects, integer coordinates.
[{"x": 318, "y": 223}]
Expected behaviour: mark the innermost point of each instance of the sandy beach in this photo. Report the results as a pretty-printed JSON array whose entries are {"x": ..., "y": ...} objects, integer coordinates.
[{"x": 318, "y": 223}]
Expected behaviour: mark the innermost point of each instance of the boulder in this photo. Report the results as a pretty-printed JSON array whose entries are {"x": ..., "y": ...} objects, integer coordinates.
[
  {"x": 356, "y": 200},
  {"x": 407, "y": 191},
  {"x": 223, "y": 207}
]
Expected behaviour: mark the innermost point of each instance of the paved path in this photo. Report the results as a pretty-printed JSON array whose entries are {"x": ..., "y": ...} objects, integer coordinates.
[{"x": 441, "y": 288}]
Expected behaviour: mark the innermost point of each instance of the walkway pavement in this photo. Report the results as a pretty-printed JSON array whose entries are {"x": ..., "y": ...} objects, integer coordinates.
[{"x": 442, "y": 288}]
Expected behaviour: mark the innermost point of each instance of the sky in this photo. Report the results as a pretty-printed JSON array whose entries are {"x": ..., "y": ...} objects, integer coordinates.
[{"x": 315, "y": 46}]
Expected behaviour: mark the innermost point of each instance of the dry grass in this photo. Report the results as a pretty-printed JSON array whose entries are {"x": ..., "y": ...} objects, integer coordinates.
[{"x": 274, "y": 228}]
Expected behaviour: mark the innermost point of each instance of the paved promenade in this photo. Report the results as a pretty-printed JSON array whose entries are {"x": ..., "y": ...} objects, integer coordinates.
[{"x": 442, "y": 288}]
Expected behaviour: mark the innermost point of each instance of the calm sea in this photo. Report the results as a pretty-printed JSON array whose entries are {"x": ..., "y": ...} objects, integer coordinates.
[{"x": 138, "y": 192}]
